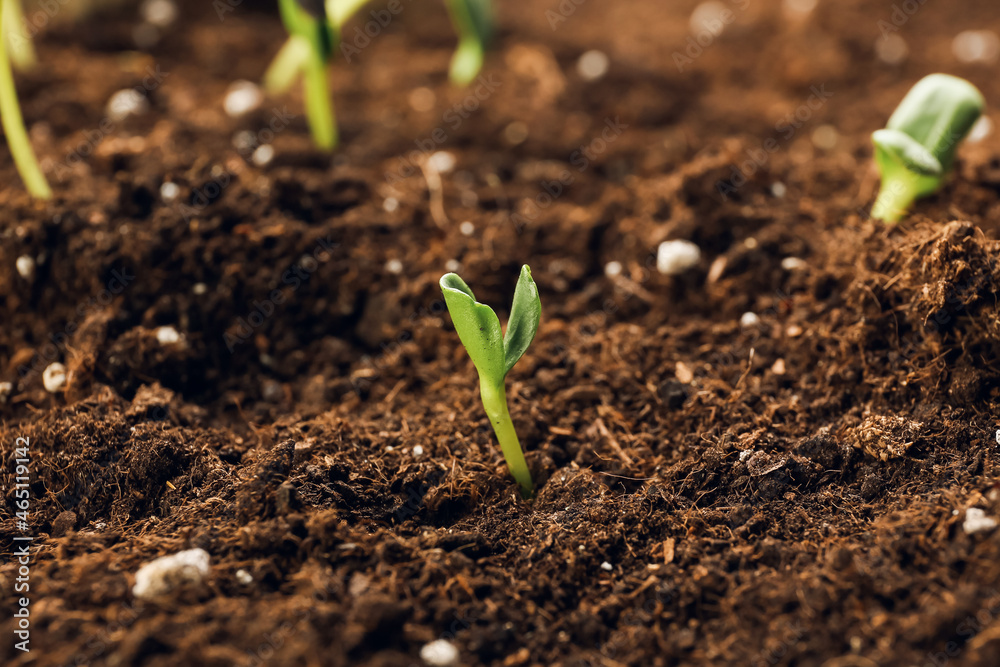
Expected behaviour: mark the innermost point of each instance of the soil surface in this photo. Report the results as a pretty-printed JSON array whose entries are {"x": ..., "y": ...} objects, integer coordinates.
[{"x": 714, "y": 489}]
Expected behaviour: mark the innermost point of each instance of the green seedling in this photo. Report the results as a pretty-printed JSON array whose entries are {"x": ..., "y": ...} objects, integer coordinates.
[
  {"x": 494, "y": 355},
  {"x": 473, "y": 21},
  {"x": 916, "y": 150},
  {"x": 314, "y": 29},
  {"x": 11, "y": 119},
  {"x": 312, "y": 39}
]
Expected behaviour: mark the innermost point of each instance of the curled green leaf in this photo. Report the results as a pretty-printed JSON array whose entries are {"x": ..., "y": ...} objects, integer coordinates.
[{"x": 916, "y": 150}]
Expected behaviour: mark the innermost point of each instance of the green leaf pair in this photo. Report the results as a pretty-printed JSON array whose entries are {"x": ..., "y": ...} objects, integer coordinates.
[
  {"x": 494, "y": 354},
  {"x": 916, "y": 151}
]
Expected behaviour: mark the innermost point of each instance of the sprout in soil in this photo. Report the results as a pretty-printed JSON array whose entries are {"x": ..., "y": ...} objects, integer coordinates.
[
  {"x": 473, "y": 20},
  {"x": 312, "y": 38},
  {"x": 494, "y": 355},
  {"x": 314, "y": 29},
  {"x": 10, "y": 114},
  {"x": 915, "y": 152}
]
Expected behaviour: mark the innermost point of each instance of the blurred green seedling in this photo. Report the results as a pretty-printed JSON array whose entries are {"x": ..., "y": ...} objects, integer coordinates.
[
  {"x": 10, "y": 109},
  {"x": 312, "y": 38},
  {"x": 473, "y": 21},
  {"x": 494, "y": 354},
  {"x": 916, "y": 150},
  {"x": 314, "y": 33}
]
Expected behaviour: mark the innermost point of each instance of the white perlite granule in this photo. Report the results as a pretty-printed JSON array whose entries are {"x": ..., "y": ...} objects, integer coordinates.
[
  {"x": 976, "y": 521},
  {"x": 675, "y": 257},
  {"x": 165, "y": 574},
  {"x": 54, "y": 377},
  {"x": 439, "y": 653}
]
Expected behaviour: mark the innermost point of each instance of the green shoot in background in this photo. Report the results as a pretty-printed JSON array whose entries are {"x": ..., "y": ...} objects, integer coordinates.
[
  {"x": 10, "y": 114},
  {"x": 310, "y": 45},
  {"x": 314, "y": 30},
  {"x": 494, "y": 355},
  {"x": 473, "y": 21},
  {"x": 916, "y": 151}
]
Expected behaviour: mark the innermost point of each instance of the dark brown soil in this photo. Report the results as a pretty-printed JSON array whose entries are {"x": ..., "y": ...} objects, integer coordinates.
[{"x": 790, "y": 493}]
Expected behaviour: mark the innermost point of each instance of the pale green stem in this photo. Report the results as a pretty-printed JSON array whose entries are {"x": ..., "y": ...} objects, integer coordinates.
[
  {"x": 495, "y": 402},
  {"x": 20, "y": 46},
  {"x": 319, "y": 106},
  {"x": 895, "y": 196},
  {"x": 340, "y": 11},
  {"x": 467, "y": 61},
  {"x": 13, "y": 125}
]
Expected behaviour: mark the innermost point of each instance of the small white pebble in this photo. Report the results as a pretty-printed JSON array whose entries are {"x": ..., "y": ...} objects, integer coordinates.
[
  {"x": 778, "y": 189},
  {"x": 891, "y": 49},
  {"x": 394, "y": 266},
  {"x": 389, "y": 448},
  {"x": 167, "y": 335},
  {"x": 125, "y": 103},
  {"x": 467, "y": 228},
  {"x": 707, "y": 17},
  {"x": 100, "y": 525},
  {"x": 613, "y": 269},
  {"x": 976, "y": 46},
  {"x": 263, "y": 155},
  {"x": 976, "y": 521},
  {"x": 793, "y": 263},
  {"x": 452, "y": 265},
  {"x": 160, "y": 13},
  {"x": 422, "y": 99},
  {"x": 981, "y": 129},
  {"x": 165, "y": 574},
  {"x": 6, "y": 389},
  {"x": 25, "y": 267},
  {"x": 749, "y": 320},
  {"x": 169, "y": 191},
  {"x": 825, "y": 137},
  {"x": 390, "y": 204},
  {"x": 199, "y": 288},
  {"x": 54, "y": 377},
  {"x": 244, "y": 577},
  {"x": 592, "y": 65},
  {"x": 582, "y": 547},
  {"x": 439, "y": 653},
  {"x": 242, "y": 97},
  {"x": 442, "y": 162},
  {"x": 998, "y": 436},
  {"x": 607, "y": 566},
  {"x": 418, "y": 450},
  {"x": 675, "y": 257},
  {"x": 750, "y": 243},
  {"x": 745, "y": 454}
]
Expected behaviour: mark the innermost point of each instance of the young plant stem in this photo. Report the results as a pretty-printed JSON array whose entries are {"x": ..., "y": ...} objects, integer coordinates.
[
  {"x": 20, "y": 47},
  {"x": 495, "y": 403},
  {"x": 13, "y": 124},
  {"x": 896, "y": 196},
  {"x": 319, "y": 107}
]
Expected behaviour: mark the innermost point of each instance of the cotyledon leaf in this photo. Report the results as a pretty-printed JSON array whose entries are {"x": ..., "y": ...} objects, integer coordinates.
[
  {"x": 478, "y": 328},
  {"x": 525, "y": 314}
]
